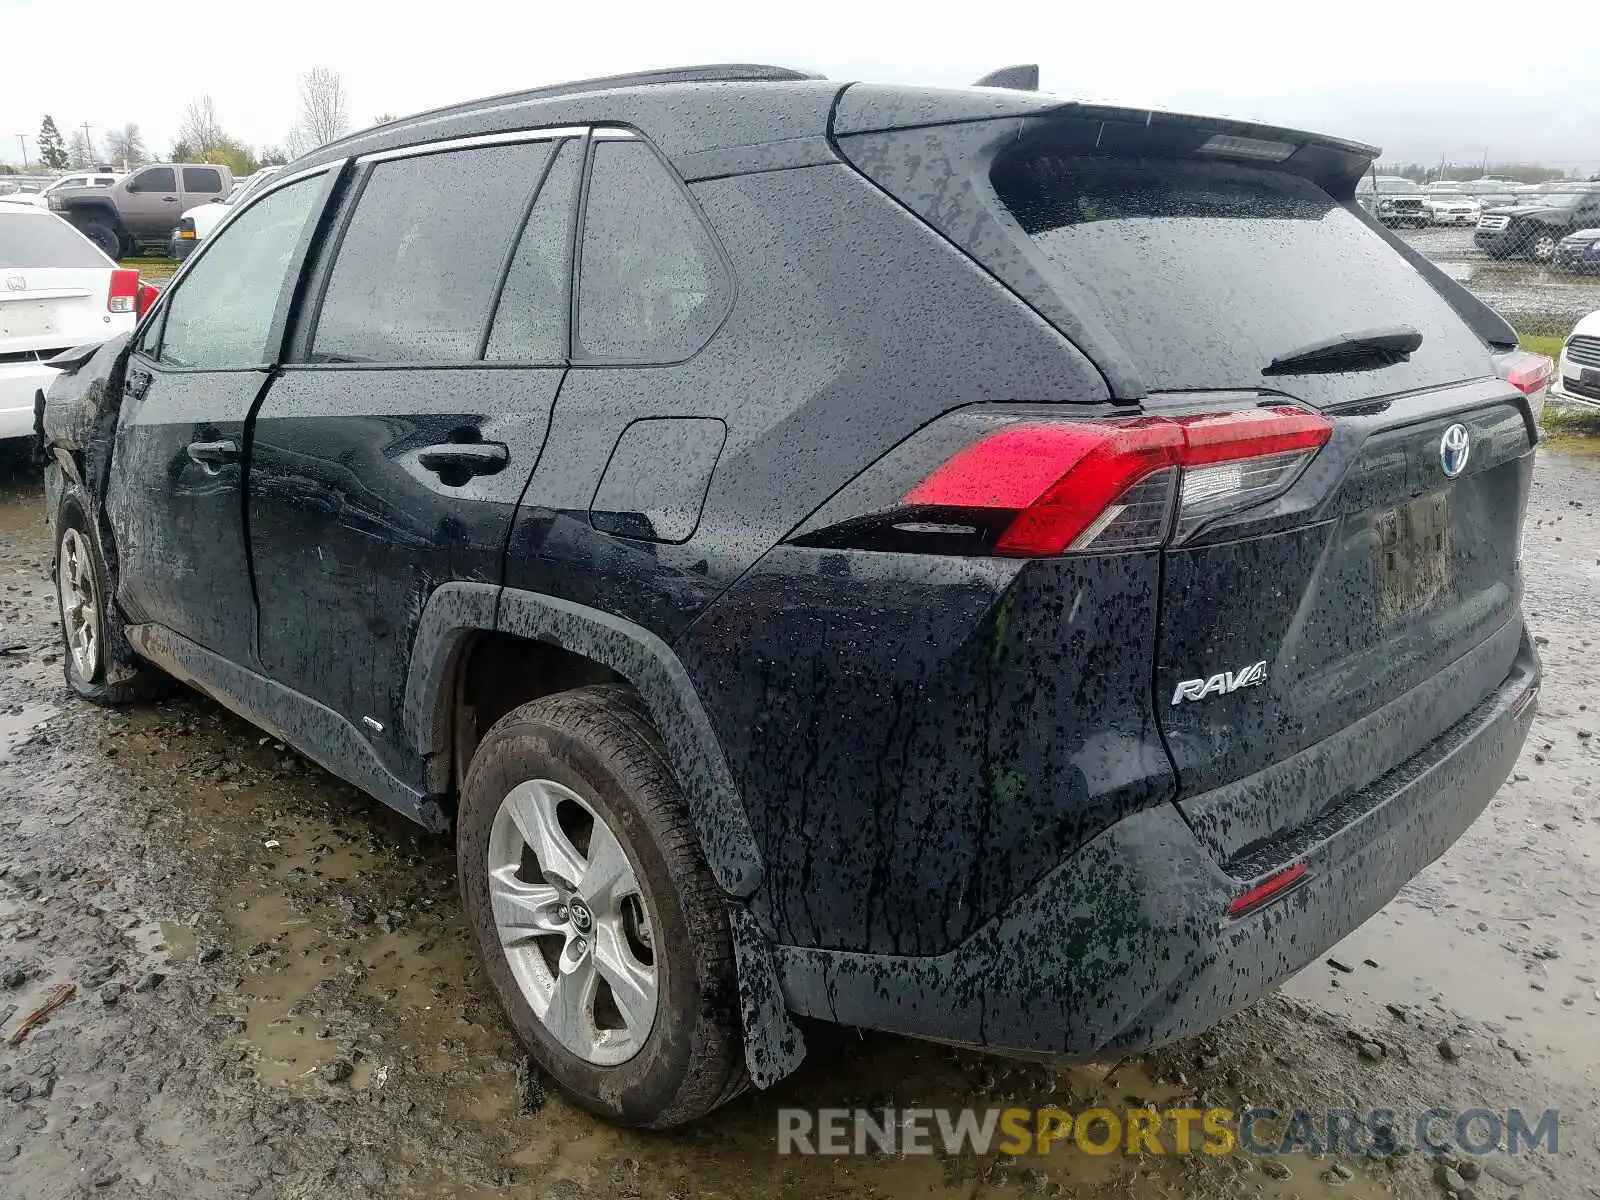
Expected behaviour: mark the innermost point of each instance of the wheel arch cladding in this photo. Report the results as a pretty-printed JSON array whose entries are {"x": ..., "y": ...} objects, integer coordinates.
[
  {"x": 456, "y": 610},
  {"x": 774, "y": 1046}
]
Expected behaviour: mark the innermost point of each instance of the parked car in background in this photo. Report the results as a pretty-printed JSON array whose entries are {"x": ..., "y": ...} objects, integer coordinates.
[
  {"x": 1536, "y": 224},
  {"x": 57, "y": 290},
  {"x": 142, "y": 208},
  {"x": 1488, "y": 190},
  {"x": 1000, "y": 570},
  {"x": 1451, "y": 208},
  {"x": 1578, "y": 369},
  {"x": 1393, "y": 199},
  {"x": 1579, "y": 252},
  {"x": 102, "y": 179},
  {"x": 198, "y": 222}
]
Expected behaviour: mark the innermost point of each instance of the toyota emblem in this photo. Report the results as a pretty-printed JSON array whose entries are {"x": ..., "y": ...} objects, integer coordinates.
[{"x": 1454, "y": 448}]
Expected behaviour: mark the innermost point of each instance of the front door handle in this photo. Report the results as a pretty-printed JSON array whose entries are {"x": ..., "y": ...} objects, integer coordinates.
[
  {"x": 138, "y": 384},
  {"x": 464, "y": 459},
  {"x": 212, "y": 455}
]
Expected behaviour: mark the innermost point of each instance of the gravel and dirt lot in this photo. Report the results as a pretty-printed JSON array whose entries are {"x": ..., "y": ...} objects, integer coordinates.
[
  {"x": 1534, "y": 298},
  {"x": 272, "y": 993}
]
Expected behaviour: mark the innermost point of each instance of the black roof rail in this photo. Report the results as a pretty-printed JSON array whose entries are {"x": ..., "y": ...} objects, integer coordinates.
[
  {"x": 706, "y": 73},
  {"x": 709, "y": 73}
]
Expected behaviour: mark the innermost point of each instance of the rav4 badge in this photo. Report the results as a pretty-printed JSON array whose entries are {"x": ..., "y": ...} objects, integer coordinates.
[{"x": 1221, "y": 683}]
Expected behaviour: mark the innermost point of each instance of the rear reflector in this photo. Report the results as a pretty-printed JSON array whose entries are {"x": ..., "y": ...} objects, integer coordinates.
[
  {"x": 1075, "y": 486},
  {"x": 124, "y": 293},
  {"x": 1273, "y": 885}
]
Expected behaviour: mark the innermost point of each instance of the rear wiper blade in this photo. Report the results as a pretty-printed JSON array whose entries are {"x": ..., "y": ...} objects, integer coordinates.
[{"x": 1360, "y": 351}]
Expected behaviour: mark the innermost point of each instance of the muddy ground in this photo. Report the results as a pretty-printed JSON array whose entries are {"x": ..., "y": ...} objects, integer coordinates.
[{"x": 273, "y": 994}]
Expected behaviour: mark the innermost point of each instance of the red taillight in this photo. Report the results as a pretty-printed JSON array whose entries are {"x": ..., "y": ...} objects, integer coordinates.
[
  {"x": 1530, "y": 374},
  {"x": 1107, "y": 485},
  {"x": 1273, "y": 885},
  {"x": 148, "y": 294},
  {"x": 123, "y": 297}
]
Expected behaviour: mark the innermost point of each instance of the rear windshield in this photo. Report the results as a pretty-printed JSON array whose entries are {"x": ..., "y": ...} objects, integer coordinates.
[
  {"x": 40, "y": 240},
  {"x": 1206, "y": 272}
]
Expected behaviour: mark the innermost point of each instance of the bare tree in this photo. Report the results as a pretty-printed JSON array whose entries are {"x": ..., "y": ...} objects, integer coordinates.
[
  {"x": 323, "y": 112},
  {"x": 126, "y": 147},
  {"x": 201, "y": 132},
  {"x": 80, "y": 150}
]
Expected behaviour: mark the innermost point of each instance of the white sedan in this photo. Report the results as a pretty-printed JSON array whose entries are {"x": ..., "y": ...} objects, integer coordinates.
[
  {"x": 1578, "y": 370},
  {"x": 56, "y": 291}
]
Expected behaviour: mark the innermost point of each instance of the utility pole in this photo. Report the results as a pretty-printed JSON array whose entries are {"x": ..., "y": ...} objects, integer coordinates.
[
  {"x": 23, "y": 139},
  {"x": 88, "y": 146}
]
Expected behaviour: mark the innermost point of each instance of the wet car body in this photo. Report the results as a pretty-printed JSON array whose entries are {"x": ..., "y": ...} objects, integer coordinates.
[{"x": 1057, "y": 793}]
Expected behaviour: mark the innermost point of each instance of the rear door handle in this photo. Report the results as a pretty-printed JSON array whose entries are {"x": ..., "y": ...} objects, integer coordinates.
[
  {"x": 212, "y": 455},
  {"x": 469, "y": 458}
]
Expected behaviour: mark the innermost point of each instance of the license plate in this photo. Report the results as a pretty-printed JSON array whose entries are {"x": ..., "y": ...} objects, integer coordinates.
[
  {"x": 1413, "y": 555},
  {"x": 25, "y": 319}
]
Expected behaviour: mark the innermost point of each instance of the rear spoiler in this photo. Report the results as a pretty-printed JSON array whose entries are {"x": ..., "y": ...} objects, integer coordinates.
[{"x": 1334, "y": 164}]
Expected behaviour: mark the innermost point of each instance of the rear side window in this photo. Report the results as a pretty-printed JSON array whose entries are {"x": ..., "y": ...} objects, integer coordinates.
[
  {"x": 650, "y": 280},
  {"x": 417, "y": 269},
  {"x": 37, "y": 239},
  {"x": 157, "y": 179},
  {"x": 201, "y": 179},
  {"x": 221, "y": 314},
  {"x": 1206, "y": 272}
]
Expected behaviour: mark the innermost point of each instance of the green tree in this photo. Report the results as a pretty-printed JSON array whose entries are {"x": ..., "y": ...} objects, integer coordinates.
[{"x": 52, "y": 152}]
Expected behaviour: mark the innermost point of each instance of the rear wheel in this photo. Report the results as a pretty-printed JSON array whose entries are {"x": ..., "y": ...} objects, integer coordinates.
[
  {"x": 1542, "y": 245},
  {"x": 107, "y": 239},
  {"x": 601, "y": 930}
]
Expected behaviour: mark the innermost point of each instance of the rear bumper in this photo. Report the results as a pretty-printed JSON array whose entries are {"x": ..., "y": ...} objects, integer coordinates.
[
  {"x": 18, "y": 383},
  {"x": 180, "y": 248},
  {"x": 1126, "y": 945}
]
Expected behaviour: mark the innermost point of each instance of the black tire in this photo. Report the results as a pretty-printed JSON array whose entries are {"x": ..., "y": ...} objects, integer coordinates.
[
  {"x": 598, "y": 742},
  {"x": 117, "y": 675},
  {"x": 1542, "y": 245},
  {"x": 105, "y": 237}
]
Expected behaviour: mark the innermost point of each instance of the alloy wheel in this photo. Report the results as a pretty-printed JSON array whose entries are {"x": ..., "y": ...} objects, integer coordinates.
[
  {"x": 80, "y": 604},
  {"x": 573, "y": 922}
]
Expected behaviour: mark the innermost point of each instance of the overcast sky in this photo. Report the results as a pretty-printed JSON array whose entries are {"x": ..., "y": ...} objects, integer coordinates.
[{"x": 1420, "y": 80}]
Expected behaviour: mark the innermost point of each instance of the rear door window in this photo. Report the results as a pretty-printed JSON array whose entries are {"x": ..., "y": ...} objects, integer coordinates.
[
  {"x": 530, "y": 320},
  {"x": 1206, "y": 272},
  {"x": 420, "y": 261},
  {"x": 202, "y": 179},
  {"x": 651, "y": 285}
]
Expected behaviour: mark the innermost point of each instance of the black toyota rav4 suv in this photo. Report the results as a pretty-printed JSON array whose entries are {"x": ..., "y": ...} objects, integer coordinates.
[{"x": 954, "y": 562}]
